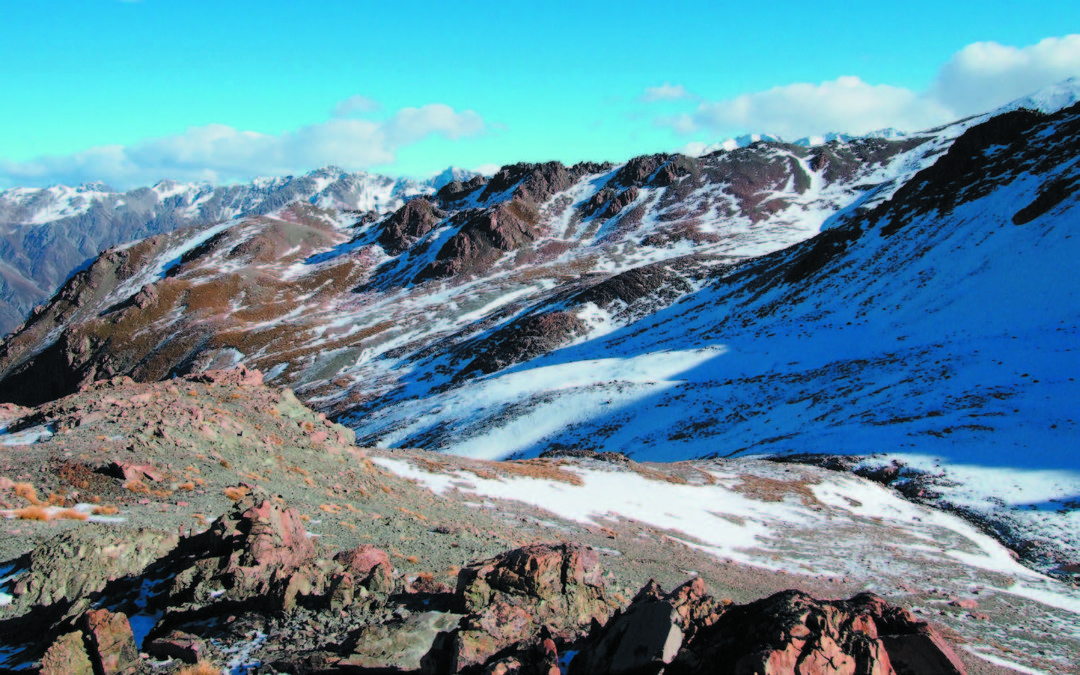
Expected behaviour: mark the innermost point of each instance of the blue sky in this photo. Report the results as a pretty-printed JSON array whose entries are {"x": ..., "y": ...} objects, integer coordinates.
[{"x": 133, "y": 92}]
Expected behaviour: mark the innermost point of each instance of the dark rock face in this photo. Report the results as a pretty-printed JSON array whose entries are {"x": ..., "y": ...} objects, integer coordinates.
[
  {"x": 521, "y": 340},
  {"x": 985, "y": 157},
  {"x": 412, "y": 221},
  {"x": 607, "y": 203}
]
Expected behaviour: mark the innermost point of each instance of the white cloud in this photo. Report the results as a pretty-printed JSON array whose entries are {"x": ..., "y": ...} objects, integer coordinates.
[
  {"x": 978, "y": 78},
  {"x": 356, "y": 104},
  {"x": 666, "y": 92},
  {"x": 218, "y": 153},
  {"x": 985, "y": 75},
  {"x": 796, "y": 110}
]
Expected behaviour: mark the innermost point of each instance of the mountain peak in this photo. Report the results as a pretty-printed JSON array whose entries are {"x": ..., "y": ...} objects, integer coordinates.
[{"x": 1048, "y": 99}]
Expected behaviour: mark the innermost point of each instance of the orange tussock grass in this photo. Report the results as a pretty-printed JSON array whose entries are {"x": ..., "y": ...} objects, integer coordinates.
[
  {"x": 27, "y": 492},
  {"x": 186, "y": 487},
  {"x": 309, "y": 481},
  {"x": 330, "y": 508},
  {"x": 225, "y": 464},
  {"x": 32, "y": 513},
  {"x": 412, "y": 559},
  {"x": 201, "y": 668},
  {"x": 57, "y": 500},
  {"x": 236, "y": 493},
  {"x": 70, "y": 514},
  {"x": 137, "y": 486},
  {"x": 105, "y": 510}
]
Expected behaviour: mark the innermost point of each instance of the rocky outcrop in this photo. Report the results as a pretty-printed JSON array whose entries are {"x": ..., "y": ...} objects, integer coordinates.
[
  {"x": 687, "y": 633},
  {"x": 408, "y": 224},
  {"x": 70, "y": 567},
  {"x": 509, "y": 598},
  {"x": 520, "y": 340},
  {"x": 255, "y": 572}
]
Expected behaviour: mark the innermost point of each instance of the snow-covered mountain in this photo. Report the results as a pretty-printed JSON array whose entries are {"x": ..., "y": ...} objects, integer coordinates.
[
  {"x": 47, "y": 233},
  {"x": 909, "y": 296}
]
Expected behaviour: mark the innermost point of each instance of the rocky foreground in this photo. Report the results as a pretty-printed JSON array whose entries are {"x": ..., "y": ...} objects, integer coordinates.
[
  {"x": 251, "y": 590},
  {"x": 211, "y": 523}
]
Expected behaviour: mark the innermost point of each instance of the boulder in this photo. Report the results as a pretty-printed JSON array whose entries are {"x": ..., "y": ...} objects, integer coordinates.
[
  {"x": 67, "y": 656},
  {"x": 400, "y": 646},
  {"x": 792, "y": 632},
  {"x": 110, "y": 642},
  {"x": 508, "y": 599},
  {"x": 369, "y": 566}
]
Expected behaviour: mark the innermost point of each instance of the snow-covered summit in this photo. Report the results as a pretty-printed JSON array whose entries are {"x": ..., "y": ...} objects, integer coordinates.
[{"x": 1048, "y": 100}]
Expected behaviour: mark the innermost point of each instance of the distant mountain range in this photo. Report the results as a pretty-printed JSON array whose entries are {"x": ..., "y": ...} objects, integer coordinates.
[
  {"x": 912, "y": 296},
  {"x": 48, "y": 233}
]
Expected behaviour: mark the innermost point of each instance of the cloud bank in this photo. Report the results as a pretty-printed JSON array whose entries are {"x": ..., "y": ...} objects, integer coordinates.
[
  {"x": 219, "y": 153},
  {"x": 976, "y": 79}
]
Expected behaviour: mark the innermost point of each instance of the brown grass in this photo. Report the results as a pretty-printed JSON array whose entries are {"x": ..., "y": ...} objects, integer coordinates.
[
  {"x": 200, "y": 668},
  {"x": 238, "y": 492},
  {"x": 653, "y": 474},
  {"x": 539, "y": 468},
  {"x": 70, "y": 514},
  {"x": 27, "y": 492},
  {"x": 772, "y": 490},
  {"x": 32, "y": 513},
  {"x": 137, "y": 486}
]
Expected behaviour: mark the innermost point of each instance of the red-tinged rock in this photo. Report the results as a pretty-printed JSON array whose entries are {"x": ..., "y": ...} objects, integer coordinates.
[
  {"x": 276, "y": 537},
  {"x": 965, "y": 603},
  {"x": 318, "y": 437},
  {"x": 110, "y": 642},
  {"x": 129, "y": 472},
  {"x": 369, "y": 566},
  {"x": 824, "y": 657},
  {"x": 67, "y": 656},
  {"x": 514, "y": 599},
  {"x": 566, "y": 578}
]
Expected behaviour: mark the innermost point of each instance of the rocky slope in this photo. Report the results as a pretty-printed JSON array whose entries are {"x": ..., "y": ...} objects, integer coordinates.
[
  {"x": 48, "y": 234},
  {"x": 242, "y": 531},
  {"x": 481, "y": 275}
]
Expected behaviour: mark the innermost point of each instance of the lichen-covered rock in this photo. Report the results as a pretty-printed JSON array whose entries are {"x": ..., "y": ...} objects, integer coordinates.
[
  {"x": 110, "y": 642},
  {"x": 72, "y": 565},
  {"x": 509, "y": 598},
  {"x": 401, "y": 646},
  {"x": 67, "y": 656}
]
